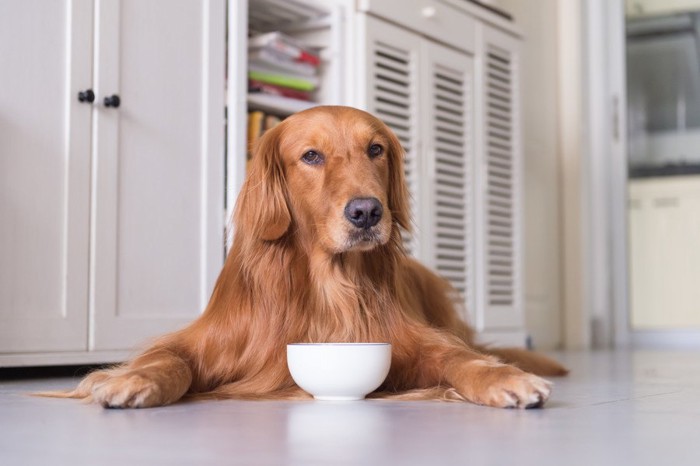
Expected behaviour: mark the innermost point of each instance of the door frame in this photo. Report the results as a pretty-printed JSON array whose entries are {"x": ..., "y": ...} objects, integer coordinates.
[
  {"x": 606, "y": 172},
  {"x": 614, "y": 17},
  {"x": 592, "y": 103}
]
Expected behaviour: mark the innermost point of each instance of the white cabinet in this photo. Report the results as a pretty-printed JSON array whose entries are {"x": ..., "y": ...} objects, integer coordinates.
[
  {"x": 664, "y": 227},
  {"x": 455, "y": 109},
  {"x": 113, "y": 223},
  {"x": 112, "y": 227}
]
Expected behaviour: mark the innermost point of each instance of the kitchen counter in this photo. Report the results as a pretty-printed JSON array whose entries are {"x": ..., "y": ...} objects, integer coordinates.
[{"x": 675, "y": 169}]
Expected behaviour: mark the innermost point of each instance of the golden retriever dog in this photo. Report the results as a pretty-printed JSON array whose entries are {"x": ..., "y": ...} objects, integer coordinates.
[{"x": 317, "y": 256}]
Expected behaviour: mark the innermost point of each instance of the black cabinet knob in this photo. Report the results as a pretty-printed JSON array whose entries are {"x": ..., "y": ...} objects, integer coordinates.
[
  {"x": 112, "y": 101},
  {"x": 86, "y": 96}
]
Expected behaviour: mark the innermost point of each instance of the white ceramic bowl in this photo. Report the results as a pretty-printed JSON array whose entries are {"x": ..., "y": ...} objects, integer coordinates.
[{"x": 339, "y": 371}]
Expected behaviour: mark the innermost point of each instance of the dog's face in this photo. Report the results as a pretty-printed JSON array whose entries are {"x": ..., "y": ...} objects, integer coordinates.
[{"x": 336, "y": 173}]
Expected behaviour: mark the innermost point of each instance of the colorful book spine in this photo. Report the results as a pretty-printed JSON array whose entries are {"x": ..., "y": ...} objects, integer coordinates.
[
  {"x": 302, "y": 84},
  {"x": 258, "y": 123},
  {"x": 271, "y": 59},
  {"x": 271, "y": 89}
]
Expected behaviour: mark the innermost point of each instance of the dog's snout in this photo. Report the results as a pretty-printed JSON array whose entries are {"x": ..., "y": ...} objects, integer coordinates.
[{"x": 364, "y": 212}]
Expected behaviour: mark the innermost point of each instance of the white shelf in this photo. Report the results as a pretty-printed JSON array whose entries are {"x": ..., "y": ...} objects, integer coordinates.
[
  {"x": 282, "y": 106},
  {"x": 272, "y": 15}
]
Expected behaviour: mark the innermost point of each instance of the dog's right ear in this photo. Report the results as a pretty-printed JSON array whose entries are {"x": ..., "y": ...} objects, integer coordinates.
[{"x": 262, "y": 207}]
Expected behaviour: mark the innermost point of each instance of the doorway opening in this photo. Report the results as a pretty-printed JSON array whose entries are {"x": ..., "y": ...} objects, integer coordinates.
[{"x": 662, "y": 52}]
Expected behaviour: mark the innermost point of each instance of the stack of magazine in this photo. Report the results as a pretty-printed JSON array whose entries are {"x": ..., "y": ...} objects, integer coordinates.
[{"x": 279, "y": 65}]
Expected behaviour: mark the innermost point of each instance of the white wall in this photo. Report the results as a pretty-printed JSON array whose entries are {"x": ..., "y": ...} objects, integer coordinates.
[{"x": 543, "y": 283}]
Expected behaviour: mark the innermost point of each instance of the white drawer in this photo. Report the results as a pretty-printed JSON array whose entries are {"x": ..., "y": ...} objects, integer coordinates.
[{"x": 430, "y": 18}]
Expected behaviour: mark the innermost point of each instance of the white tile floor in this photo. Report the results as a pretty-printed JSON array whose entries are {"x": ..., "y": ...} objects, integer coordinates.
[{"x": 616, "y": 408}]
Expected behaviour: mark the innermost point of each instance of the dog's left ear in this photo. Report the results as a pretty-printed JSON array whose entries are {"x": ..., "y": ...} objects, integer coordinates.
[
  {"x": 262, "y": 207},
  {"x": 398, "y": 191}
]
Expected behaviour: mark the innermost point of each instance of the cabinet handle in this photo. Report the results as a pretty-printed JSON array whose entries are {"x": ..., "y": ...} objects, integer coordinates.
[
  {"x": 86, "y": 96},
  {"x": 112, "y": 101}
]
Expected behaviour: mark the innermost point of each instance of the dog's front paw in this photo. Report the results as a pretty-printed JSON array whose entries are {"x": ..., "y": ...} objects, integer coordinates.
[
  {"x": 519, "y": 391},
  {"x": 504, "y": 386},
  {"x": 129, "y": 390}
]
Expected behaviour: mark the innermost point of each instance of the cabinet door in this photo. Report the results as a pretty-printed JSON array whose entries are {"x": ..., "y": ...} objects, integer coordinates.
[
  {"x": 158, "y": 229},
  {"x": 44, "y": 174},
  {"x": 391, "y": 93},
  {"x": 499, "y": 190},
  {"x": 664, "y": 224},
  {"x": 447, "y": 204}
]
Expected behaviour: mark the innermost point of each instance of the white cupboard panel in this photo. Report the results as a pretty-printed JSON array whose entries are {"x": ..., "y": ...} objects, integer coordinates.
[
  {"x": 431, "y": 18},
  {"x": 448, "y": 202},
  {"x": 44, "y": 174},
  {"x": 158, "y": 161},
  {"x": 499, "y": 184}
]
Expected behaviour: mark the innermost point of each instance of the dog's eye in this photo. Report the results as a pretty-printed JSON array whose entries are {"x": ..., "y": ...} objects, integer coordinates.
[
  {"x": 312, "y": 158},
  {"x": 375, "y": 150}
]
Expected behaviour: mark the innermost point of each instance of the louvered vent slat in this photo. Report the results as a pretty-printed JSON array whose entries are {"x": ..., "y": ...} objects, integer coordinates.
[
  {"x": 444, "y": 148},
  {"x": 393, "y": 103},
  {"x": 500, "y": 255},
  {"x": 449, "y": 190},
  {"x": 449, "y": 222},
  {"x": 450, "y": 160},
  {"x": 452, "y": 238},
  {"x": 497, "y": 115},
  {"x": 499, "y": 171}
]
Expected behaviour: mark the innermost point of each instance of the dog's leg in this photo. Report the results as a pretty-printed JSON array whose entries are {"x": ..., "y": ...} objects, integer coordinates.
[
  {"x": 491, "y": 383},
  {"x": 481, "y": 379},
  {"x": 157, "y": 377}
]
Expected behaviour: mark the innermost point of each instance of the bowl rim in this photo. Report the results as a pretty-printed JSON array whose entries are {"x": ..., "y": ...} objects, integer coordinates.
[{"x": 338, "y": 344}]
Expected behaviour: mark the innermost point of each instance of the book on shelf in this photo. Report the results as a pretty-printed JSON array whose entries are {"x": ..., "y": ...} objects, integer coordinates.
[
  {"x": 286, "y": 45},
  {"x": 273, "y": 60},
  {"x": 277, "y": 104},
  {"x": 259, "y": 87},
  {"x": 307, "y": 83},
  {"x": 255, "y": 129},
  {"x": 258, "y": 123}
]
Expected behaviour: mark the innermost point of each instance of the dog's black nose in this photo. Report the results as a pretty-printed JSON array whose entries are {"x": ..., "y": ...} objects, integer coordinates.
[{"x": 364, "y": 212}]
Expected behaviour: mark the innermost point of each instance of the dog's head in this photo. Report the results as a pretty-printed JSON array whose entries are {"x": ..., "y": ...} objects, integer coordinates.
[{"x": 334, "y": 173}]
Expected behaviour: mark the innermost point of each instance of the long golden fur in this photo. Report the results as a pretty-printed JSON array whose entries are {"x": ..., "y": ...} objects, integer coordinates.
[{"x": 300, "y": 271}]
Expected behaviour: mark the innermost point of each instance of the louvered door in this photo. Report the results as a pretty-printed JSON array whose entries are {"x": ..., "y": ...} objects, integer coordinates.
[
  {"x": 457, "y": 116},
  {"x": 500, "y": 186},
  {"x": 392, "y": 95},
  {"x": 447, "y": 206}
]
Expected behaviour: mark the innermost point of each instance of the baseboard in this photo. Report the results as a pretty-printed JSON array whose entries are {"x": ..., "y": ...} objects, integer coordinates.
[
  {"x": 504, "y": 338},
  {"x": 63, "y": 358},
  {"x": 668, "y": 339}
]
